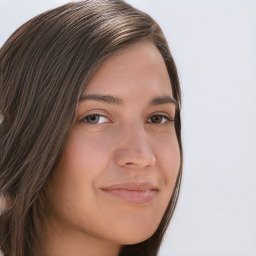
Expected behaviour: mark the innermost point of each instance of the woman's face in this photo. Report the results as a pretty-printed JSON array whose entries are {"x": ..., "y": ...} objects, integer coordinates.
[{"x": 119, "y": 167}]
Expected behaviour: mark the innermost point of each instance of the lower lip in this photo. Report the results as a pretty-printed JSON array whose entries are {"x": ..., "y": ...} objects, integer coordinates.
[{"x": 134, "y": 196}]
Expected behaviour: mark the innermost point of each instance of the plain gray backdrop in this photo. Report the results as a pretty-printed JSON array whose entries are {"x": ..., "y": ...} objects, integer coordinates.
[{"x": 214, "y": 46}]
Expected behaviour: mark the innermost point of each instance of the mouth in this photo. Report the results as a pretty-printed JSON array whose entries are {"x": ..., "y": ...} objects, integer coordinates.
[{"x": 133, "y": 192}]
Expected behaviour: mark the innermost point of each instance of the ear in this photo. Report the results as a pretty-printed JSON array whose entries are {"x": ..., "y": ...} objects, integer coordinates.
[{"x": 3, "y": 203}]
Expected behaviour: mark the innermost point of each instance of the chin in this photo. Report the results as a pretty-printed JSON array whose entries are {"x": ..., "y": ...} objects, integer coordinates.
[
  {"x": 135, "y": 239},
  {"x": 136, "y": 234}
]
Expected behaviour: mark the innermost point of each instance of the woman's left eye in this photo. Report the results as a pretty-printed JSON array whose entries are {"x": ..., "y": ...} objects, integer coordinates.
[
  {"x": 95, "y": 119},
  {"x": 160, "y": 119}
]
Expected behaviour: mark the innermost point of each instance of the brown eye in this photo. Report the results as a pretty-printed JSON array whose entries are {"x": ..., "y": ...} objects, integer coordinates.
[
  {"x": 156, "y": 119},
  {"x": 159, "y": 119}
]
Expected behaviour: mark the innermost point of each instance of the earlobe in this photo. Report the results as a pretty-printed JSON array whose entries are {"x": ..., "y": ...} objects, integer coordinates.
[
  {"x": 1, "y": 118},
  {"x": 3, "y": 204}
]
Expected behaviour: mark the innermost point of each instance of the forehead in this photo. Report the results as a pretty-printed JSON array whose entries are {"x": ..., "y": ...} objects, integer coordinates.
[{"x": 138, "y": 66}]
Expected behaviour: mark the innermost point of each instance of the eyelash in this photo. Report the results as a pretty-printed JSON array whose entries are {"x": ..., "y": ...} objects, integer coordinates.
[{"x": 168, "y": 119}]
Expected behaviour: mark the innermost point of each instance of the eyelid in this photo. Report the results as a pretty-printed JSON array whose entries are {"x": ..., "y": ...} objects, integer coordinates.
[
  {"x": 99, "y": 112},
  {"x": 165, "y": 115}
]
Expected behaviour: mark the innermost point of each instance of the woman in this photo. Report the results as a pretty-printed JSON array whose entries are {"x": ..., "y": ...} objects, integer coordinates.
[{"x": 91, "y": 143}]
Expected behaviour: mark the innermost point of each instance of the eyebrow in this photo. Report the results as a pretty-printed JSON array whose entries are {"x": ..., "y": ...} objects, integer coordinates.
[
  {"x": 117, "y": 101},
  {"x": 102, "y": 98},
  {"x": 163, "y": 100}
]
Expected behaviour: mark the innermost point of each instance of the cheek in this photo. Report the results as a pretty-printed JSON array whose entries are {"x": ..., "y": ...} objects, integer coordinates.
[
  {"x": 71, "y": 188},
  {"x": 85, "y": 154},
  {"x": 83, "y": 161},
  {"x": 169, "y": 164},
  {"x": 169, "y": 159}
]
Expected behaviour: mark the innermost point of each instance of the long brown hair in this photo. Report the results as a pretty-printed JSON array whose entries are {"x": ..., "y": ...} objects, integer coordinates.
[{"x": 45, "y": 66}]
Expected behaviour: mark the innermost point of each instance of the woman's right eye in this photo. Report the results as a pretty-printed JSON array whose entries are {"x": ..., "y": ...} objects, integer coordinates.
[{"x": 95, "y": 119}]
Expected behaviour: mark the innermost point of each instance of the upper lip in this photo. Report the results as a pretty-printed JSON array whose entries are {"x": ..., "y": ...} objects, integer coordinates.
[{"x": 133, "y": 186}]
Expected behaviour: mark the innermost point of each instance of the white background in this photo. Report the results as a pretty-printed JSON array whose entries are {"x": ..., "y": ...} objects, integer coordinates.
[{"x": 214, "y": 45}]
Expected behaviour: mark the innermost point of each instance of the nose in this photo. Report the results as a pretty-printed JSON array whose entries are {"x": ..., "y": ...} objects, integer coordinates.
[{"x": 133, "y": 150}]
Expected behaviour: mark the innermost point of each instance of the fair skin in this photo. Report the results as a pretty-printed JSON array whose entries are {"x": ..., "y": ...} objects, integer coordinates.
[{"x": 118, "y": 170}]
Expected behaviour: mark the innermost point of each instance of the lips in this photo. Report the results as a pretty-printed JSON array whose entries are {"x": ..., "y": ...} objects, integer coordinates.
[{"x": 134, "y": 192}]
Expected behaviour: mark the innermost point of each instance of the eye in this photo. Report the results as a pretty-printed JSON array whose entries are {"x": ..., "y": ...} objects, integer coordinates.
[
  {"x": 95, "y": 119},
  {"x": 160, "y": 119}
]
